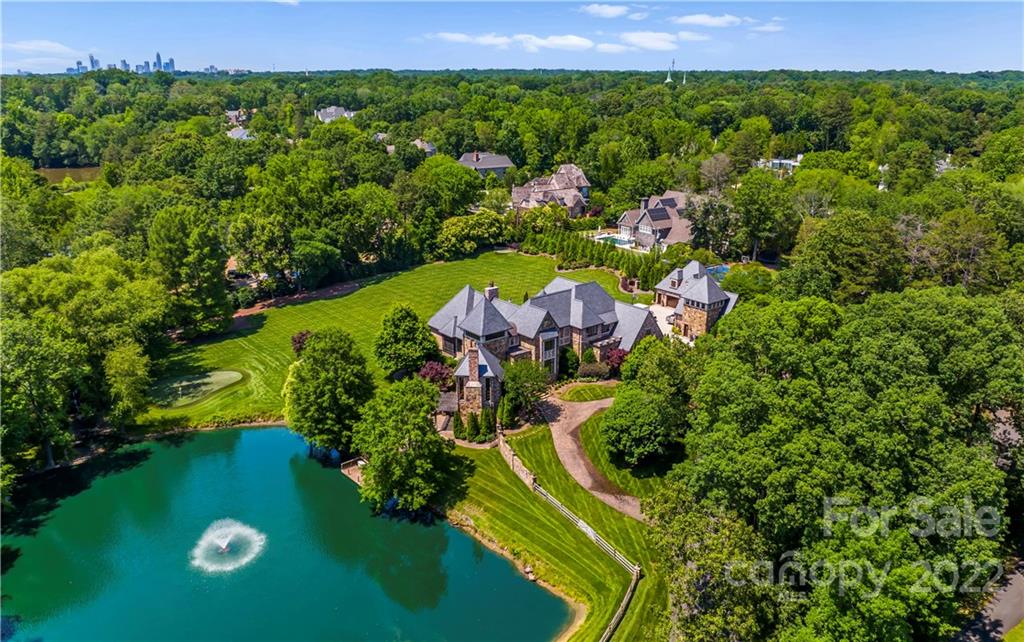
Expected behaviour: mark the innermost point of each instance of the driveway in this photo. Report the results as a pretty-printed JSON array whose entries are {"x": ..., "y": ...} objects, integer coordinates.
[
  {"x": 1003, "y": 612},
  {"x": 565, "y": 418},
  {"x": 661, "y": 314}
]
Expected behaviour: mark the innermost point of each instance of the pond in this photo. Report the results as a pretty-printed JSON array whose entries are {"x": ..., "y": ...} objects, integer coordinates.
[{"x": 135, "y": 546}]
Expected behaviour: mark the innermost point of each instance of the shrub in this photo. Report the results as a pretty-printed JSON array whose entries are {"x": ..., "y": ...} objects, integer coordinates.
[
  {"x": 244, "y": 298},
  {"x": 472, "y": 427},
  {"x": 568, "y": 362},
  {"x": 615, "y": 359},
  {"x": 595, "y": 370},
  {"x": 299, "y": 340},
  {"x": 588, "y": 356},
  {"x": 458, "y": 428},
  {"x": 438, "y": 374}
]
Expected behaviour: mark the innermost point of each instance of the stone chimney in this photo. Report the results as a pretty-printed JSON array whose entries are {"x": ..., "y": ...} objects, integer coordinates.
[
  {"x": 476, "y": 156},
  {"x": 644, "y": 202},
  {"x": 473, "y": 355},
  {"x": 491, "y": 292}
]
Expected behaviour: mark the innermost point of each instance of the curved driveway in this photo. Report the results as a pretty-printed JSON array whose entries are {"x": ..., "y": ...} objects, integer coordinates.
[{"x": 565, "y": 418}]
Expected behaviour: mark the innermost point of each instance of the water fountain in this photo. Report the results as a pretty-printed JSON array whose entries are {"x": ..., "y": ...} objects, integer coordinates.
[{"x": 227, "y": 545}]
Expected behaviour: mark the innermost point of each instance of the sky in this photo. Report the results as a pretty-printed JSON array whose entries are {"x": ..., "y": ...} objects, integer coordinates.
[{"x": 298, "y": 35}]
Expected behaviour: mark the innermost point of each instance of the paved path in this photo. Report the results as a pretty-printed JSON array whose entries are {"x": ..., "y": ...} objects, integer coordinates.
[
  {"x": 1003, "y": 612},
  {"x": 565, "y": 418}
]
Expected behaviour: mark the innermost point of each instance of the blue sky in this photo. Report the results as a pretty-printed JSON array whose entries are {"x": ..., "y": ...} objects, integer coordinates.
[{"x": 948, "y": 36}]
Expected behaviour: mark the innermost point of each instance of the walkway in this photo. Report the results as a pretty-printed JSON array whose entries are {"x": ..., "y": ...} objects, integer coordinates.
[
  {"x": 1003, "y": 612},
  {"x": 565, "y": 418}
]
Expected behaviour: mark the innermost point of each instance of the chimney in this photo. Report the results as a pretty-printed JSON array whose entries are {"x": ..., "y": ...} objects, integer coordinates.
[
  {"x": 491, "y": 292},
  {"x": 476, "y": 156},
  {"x": 644, "y": 202},
  {"x": 474, "y": 364}
]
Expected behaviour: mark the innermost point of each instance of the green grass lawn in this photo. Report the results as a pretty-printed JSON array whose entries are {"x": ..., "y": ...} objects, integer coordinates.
[
  {"x": 589, "y": 392},
  {"x": 1016, "y": 634},
  {"x": 174, "y": 392},
  {"x": 650, "y": 603},
  {"x": 263, "y": 352},
  {"x": 506, "y": 511},
  {"x": 640, "y": 482}
]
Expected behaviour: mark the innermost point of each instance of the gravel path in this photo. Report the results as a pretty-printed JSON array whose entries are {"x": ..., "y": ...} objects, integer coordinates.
[{"x": 565, "y": 418}]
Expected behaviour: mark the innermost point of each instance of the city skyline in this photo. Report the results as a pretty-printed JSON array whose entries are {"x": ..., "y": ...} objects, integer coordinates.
[{"x": 320, "y": 36}]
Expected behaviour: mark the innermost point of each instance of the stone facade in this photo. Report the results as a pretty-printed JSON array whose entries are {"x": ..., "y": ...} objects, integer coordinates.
[{"x": 694, "y": 321}]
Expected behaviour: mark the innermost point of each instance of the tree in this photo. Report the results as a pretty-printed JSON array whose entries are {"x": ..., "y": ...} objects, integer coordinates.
[
  {"x": 963, "y": 248},
  {"x": 126, "y": 369},
  {"x": 715, "y": 172},
  {"x": 636, "y": 427},
  {"x": 41, "y": 365},
  {"x": 407, "y": 459},
  {"x": 1004, "y": 153},
  {"x": 568, "y": 362},
  {"x": 326, "y": 388},
  {"x": 748, "y": 280},
  {"x": 846, "y": 258},
  {"x": 461, "y": 236},
  {"x": 405, "y": 342},
  {"x": 472, "y": 430},
  {"x": 189, "y": 259},
  {"x": 762, "y": 207},
  {"x": 640, "y": 181},
  {"x": 525, "y": 383},
  {"x": 437, "y": 373},
  {"x": 458, "y": 427}
]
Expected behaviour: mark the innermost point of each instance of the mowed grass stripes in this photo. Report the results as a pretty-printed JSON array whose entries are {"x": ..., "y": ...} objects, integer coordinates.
[
  {"x": 534, "y": 532},
  {"x": 263, "y": 352},
  {"x": 650, "y": 603},
  {"x": 639, "y": 482}
]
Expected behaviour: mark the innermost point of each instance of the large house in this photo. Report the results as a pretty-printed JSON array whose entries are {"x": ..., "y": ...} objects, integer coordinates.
[
  {"x": 697, "y": 300},
  {"x": 487, "y": 162},
  {"x": 567, "y": 187},
  {"x": 482, "y": 330},
  {"x": 658, "y": 221},
  {"x": 332, "y": 113}
]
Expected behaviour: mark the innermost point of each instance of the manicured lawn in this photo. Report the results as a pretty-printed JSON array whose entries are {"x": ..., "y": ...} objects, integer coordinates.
[
  {"x": 640, "y": 482},
  {"x": 505, "y": 510},
  {"x": 263, "y": 352},
  {"x": 589, "y": 392},
  {"x": 1016, "y": 635},
  {"x": 174, "y": 392},
  {"x": 650, "y": 603}
]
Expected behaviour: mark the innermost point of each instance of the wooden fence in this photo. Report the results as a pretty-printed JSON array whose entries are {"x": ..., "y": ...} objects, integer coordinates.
[{"x": 524, "y": 473}]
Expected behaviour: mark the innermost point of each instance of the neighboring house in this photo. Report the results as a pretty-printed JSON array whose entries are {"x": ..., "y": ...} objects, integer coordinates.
[
  {"x": 567, "y": 187},
  {"x": 332, "y": 113},
  {"x": 487, "y": 162},
  {"x": 380, "y": 137},
  {"x": 237, "y": 116},
  {"x": 658, "y": 221},
  {"x": 240, "y": 133},
  {"x": 428, "y": 148},
  {"x": 696, "y": 298},
  {"x": 781, "y": 165},
  {"x": 482, "y": 327}
]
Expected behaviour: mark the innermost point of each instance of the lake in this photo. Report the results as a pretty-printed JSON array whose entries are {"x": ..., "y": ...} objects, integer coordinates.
[{"x": 116, "y": 551}]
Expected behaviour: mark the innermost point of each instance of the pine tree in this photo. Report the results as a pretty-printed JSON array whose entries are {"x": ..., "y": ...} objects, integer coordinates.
[
  {"x": 472, "y": 427},
  {"x": 458, "y": 428}
]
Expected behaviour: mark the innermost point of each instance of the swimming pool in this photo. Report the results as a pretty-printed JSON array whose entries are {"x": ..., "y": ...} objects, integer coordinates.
[
  {"x": 718, "y": 272},
  {"x": 613, "y": 238}
]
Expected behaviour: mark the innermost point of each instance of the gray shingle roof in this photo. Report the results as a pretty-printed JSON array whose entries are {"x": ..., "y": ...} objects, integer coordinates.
[
  {"x": 682, "y": 276},
  {"x": 485, "y": 160},
  {"x": 489, "y": 366},
  {"x": 632, "y": 321},
  {"x": 703, "y": 289},
  {"x": 446, "y": 320},
  {"x": 484, "y": 319}
]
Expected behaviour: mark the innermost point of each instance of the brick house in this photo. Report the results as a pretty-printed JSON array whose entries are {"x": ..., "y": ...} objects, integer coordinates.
[
  {"x": 481, "y": 326},
  {"x": 696, "y": 298}
]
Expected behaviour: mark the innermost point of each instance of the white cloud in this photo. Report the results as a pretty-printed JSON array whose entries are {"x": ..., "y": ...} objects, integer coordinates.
[
  {"x": 639, "y": 15},
  {"x": 487, "y": 39},
  {"x": 707, "y": 20},
  {"x": 612, "y": 48},
  {"x": 40, "y": 47},
  {"x": 651, "y": 40},
  {"x": 692, "y": 36},
  {"x": 605, "y": 10},
  {"x": 293, "y": 3},
  {"x": 529, "y": 42},
  {"x": 567, "y": 42},
  {"x": 769, "y": 27}
]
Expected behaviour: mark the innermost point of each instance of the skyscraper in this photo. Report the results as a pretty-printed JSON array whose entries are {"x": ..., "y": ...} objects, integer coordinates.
[
  {"x": 124, "y": 65},
  {"x": 145, "y": 67},
  {"x": 157, "y": 65},
  {"x": 169, "y": 65},
  {"x": 94, "y": 64}
]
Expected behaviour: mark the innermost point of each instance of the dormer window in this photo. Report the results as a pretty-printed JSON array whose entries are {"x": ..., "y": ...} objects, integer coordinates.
[{"x": 675, "y": 283}]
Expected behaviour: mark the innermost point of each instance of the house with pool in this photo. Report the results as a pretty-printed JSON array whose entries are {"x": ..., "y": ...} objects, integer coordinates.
[
  {"x": 658, "y": 221},
  {"x": 482, "y": 330}
]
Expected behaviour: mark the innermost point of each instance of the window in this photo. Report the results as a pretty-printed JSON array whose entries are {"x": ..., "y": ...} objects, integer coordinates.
[
  {"x": 592, "y": 330},
  {"x": 513, "y": 340},
  {"x": 494, "y": 336},
  {"x": 646, "y": 229}
]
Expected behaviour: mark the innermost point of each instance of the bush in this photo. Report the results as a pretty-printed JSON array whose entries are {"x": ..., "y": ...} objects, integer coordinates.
[
  {"x": 487, "y": 427},
  {"x": 438, "y": 374},
  {"x": 458, "y": 428},
  {"x": 615, "y": 358},
  {"x": 506, "y": 416},
  {"x": 299, "y": 340},
  {"x": 595, "y": 370},
  {"x": 244, "y": 298},
  {"x": 472, "y": 427},
  {"x": 568, "y": 362},
  {"x": 588, "y": 356}
]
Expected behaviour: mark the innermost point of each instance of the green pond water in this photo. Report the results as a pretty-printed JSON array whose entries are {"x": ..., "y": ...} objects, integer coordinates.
[{"x": 107, "y": 553}]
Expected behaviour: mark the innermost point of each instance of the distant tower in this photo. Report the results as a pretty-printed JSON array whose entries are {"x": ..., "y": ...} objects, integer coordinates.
[
  {"x": 684, "y": 77},
  {"x": 158, "y": 65},
  {"x": 668, "y": 79}
]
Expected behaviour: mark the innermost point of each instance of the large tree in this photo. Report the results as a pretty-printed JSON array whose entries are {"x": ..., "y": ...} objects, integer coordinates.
[
  {"x": 407, "y": 459},
  {"x": 326, "y": 389},
  {"x": 764, "y": 212},
  {"x": 404, "y": 343},
  {"x": 525, "y": 383}
]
